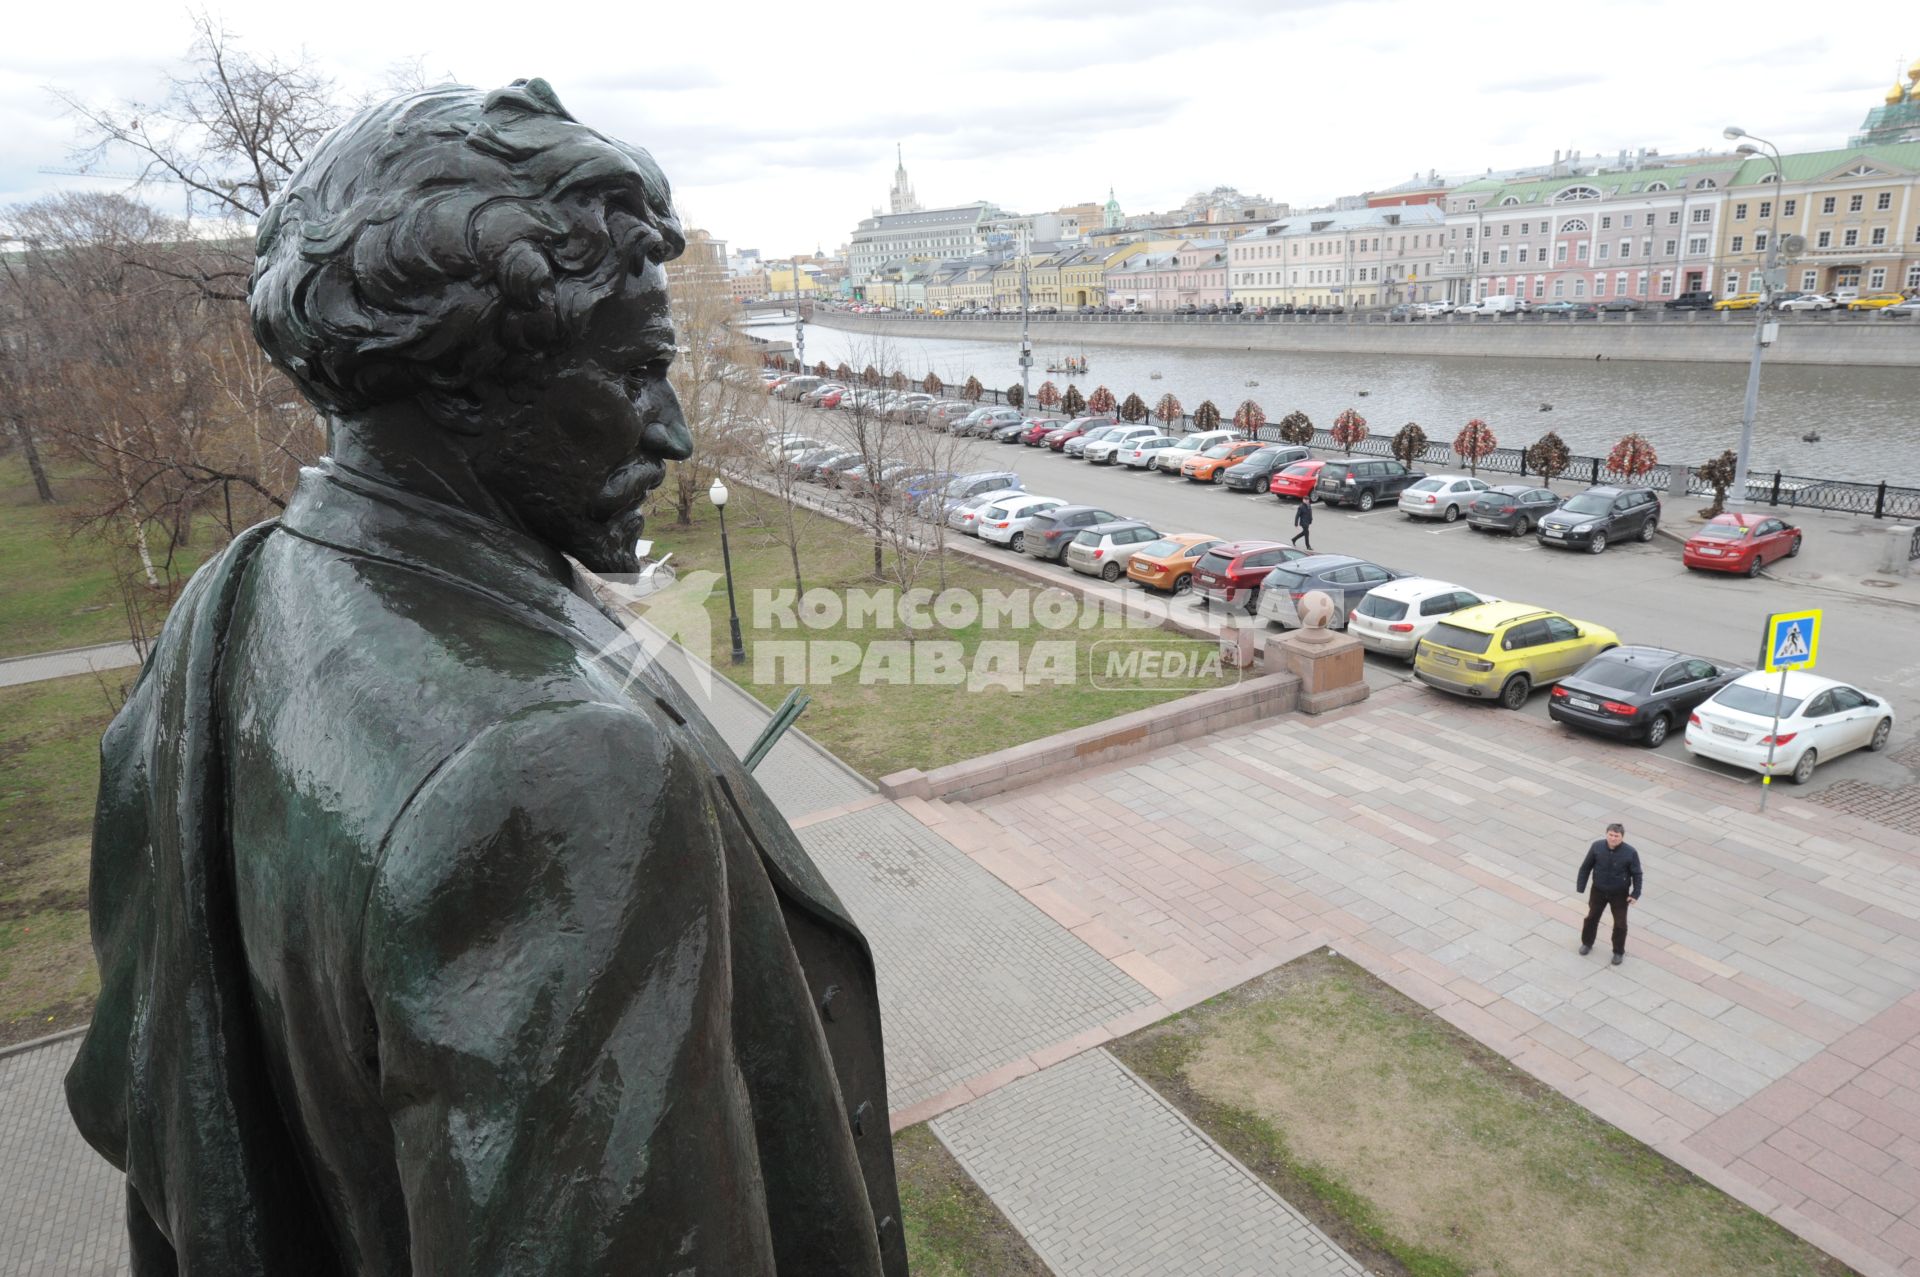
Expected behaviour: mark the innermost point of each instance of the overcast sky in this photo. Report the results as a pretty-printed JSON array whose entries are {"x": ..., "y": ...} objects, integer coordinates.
[{"x": 777, "y": 123}]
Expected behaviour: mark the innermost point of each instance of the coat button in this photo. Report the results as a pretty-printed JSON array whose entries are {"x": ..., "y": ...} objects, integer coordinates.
[
  {"x": 861, "y": 1116},
  {"x": 826, "y": 1002}
]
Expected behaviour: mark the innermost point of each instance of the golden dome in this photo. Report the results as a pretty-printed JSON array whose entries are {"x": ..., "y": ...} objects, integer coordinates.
[
  {"x": 1913, "y": 72},
  {"x": 1896, "y": 95}
]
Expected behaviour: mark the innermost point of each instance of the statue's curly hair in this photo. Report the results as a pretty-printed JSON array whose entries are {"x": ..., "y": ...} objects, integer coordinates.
[{"x": 449, "y": 239}]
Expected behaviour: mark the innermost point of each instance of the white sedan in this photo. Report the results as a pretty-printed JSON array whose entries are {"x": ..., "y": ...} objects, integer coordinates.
[
  {"x": 1819, "y": 720},
  {"x": 1810, "y": 301},
  {"x": 1145, "y": 452},
  {"x": 1441, "y": 496},
  {"x": 1394, "y": 617},
  {"x": 1005, "y": 522},
  {"x": 965, "y": 517},
  {"x": 1102, "y": 452}
]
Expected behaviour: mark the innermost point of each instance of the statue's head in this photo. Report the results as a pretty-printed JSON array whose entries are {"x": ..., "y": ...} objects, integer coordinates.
[{"x": 482, "y": 265}]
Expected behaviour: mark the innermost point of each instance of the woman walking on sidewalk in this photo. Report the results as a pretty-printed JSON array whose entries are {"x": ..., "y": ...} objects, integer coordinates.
[{"x": 1303, "y": 519}]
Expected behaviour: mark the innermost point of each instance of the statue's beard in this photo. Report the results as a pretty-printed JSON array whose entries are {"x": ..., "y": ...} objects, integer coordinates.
[{"x": 607, "y": 548}]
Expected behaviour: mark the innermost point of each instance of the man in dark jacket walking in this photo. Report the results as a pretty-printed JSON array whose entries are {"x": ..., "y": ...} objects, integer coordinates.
[
  {"x": 1303, "y": 519},
  {"x": 1615, "y": 867}
]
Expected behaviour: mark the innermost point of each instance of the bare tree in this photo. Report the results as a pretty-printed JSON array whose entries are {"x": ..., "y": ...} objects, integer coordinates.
[{"x": 228, "y": 133}]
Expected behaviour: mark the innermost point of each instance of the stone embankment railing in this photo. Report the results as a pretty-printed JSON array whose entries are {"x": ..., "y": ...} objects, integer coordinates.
[{"x": 1777, "y": 489}]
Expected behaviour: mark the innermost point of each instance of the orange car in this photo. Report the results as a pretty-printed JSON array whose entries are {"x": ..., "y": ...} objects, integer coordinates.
[
  {"x": 1167, "y": 564},
  {"x": 1211, "y": 465},
  {"x": 1296, "y": 481}
]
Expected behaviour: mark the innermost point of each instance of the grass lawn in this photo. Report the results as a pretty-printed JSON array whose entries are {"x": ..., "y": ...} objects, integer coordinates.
[
  {"x": 49, "y": 770},
  {"x": 1427, "y": 1154},
  {"x": 880, "y": 728},
  {"x": 57, "y": 589},
  {"x": 953, "y": 1229}
]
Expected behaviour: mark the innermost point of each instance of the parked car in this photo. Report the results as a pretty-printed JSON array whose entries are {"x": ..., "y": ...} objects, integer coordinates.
[
  {"x": 1077, "y": 448},
  {"x": 1511, "y": 507},
  {"x": 1191, "y": 444},
  {"x": 1429, "y": 310},
  {"x": 1600, "y": 516},
  {"x": 1104, "y": 452},
  {"x": 1005, "y": 521},
  {"x": 1255, "y": 471},
  {"x": 1698, "y": 300},
  {"x": 1740, "y": 543},
  {"x": 803, "y": 464},
  {"x": 1739, "y": 301},
  {"x": 1036, "y": 434},
  {"x": 1362, "y": 483},
  {"x": 1617, "y": 304},
  {"x": 794, "y": 387},
  {"x": 1507, "y": 305},
  {"x": 1296, "y": 480},
  {"x": 1637, "y": 693},
  {"x": 1345, "y": 579},
  {"x": 1810, "y": 301},
  {"x": 1569, "y": 309},
  {"x": 987, "y": 420},
  {"x": 1061, "y": 435},
  {"x": 1230, "y": 573},
  {"x": 833, "y": 473},
  {"x": 964, "y": 515},
  {"x": 960, "y": 489},
  {"x": 1879, "y": 301},
  {"x": 1441, "y": 496},
  {"x": 943, "y": 416},
  {"x": 1102, "y": 550},
  {"x": 1502, "y": 651},
  {"x": 1144, "y": 452},
  {"x": 1010, "y": 431},
  {"x": 794, "y": 445},
  {"x": 1819, "y": 720},
  {"x": 1905, "y": 310},
  {"x": 1211, "y": 466},
  {"x": 1167, "y": 564},
  {"x": 1393, "y": 618},
  {"x": 832, "y": 397},
  {"x": 1049, "y": 533}
]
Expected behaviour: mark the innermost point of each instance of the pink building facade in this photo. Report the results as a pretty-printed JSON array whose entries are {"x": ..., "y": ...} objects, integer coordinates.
[{"x": 1647, "y": 234}]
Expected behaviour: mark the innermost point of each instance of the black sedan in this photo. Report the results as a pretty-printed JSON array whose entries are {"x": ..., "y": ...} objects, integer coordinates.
[
  {"x": 1511, "y": 507},
  {"x": 1253, "y": 472},
  {"x": 1638, "y": 693}
]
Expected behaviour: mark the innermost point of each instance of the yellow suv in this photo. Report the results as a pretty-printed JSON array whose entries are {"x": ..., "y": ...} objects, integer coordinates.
[
  {"x": 1880, "y": 302},
  {"x": 1739, "y": 301},
  {"x": 1504, "y": 650}
]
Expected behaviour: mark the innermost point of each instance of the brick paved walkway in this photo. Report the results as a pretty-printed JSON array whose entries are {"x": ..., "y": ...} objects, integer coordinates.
[
  {"x": 1107, "y": 1179},
  {"x": 1764, "y": 1032},
  {"x": 61, "y": 1207},
  {"x": 971, "y": 975}
]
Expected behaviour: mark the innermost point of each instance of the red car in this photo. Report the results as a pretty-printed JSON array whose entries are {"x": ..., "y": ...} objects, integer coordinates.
[
  {"x": 1036, "y": 434},
  {"x": 1296, "y": 480},
  {"x": 1741, "y": 543},
  {"x": 831, "y": 399},
  {"x": 1057, "y": 440},
  {"x": 1231, "y": 572}
]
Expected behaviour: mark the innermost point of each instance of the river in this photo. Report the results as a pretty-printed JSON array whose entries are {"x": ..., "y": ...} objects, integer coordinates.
[{"x": 1868, "y": 419}]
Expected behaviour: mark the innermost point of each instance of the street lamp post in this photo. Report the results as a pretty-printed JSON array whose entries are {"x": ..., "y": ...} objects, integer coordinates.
[
  {"x": 1764, "y": 327},
  {"x": 718, "y": 495},
  {"x": 1026, "y": 338},
  {"x": 799, "y": 352}
]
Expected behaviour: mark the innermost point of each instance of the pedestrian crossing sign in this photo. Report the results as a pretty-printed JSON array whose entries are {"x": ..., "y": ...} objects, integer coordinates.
[{"x": 1792, "y": 641}]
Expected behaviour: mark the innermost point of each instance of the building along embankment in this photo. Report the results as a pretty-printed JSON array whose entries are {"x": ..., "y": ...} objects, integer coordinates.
[{"x": 1699, "y": 337}]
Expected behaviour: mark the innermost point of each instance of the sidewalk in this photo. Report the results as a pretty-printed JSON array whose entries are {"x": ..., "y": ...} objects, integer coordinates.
[{"x": 15, "y": 670}]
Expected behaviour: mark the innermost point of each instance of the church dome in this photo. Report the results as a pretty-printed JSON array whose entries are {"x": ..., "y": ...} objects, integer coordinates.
[
  {"x": 1896, "y": 94},
  {"x": 1913, "y": 72}
]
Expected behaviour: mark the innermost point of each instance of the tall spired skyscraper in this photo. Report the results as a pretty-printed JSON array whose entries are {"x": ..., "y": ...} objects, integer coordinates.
[{"x": 902, "y": 195}]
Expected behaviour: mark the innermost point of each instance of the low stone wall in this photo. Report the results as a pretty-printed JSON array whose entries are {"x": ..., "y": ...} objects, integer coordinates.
[
  {"x": 1136, "y": 733},
  {"x": 1703, "y": 337}
]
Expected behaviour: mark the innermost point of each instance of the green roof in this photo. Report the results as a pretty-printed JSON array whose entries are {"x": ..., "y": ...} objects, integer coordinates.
[{"x": 1813, "y": 164}]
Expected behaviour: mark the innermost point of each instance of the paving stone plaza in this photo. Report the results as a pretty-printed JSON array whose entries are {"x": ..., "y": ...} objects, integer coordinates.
[{"x": 1764, "y": 1032}]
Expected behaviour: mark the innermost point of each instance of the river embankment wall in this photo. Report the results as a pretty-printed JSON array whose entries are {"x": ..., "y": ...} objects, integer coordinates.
[{"x": 1699, "y": 337}]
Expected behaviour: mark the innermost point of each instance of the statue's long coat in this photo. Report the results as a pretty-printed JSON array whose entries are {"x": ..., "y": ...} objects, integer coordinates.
[{"x": 430, "y": 943}]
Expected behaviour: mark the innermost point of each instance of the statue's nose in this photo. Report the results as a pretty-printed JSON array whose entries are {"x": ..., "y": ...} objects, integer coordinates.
[{"x": 669, "y": 439}]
